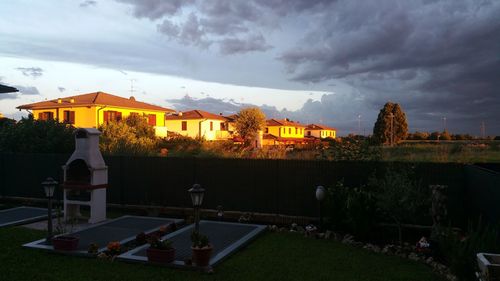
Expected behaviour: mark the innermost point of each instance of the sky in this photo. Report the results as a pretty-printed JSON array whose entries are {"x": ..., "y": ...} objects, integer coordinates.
[{"x": 313, "y": 61}]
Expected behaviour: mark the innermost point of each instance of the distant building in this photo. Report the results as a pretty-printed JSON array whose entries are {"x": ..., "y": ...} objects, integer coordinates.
[
  {"x": 320, "y": 131},
  {"x": 199, "y": 124},
  {"x": 93, "y": 109},
  {"x": 283, "y": 131}
]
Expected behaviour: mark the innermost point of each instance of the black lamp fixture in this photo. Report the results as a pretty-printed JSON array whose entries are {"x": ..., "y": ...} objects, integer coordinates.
[
  {"x": 49, "y": 186},
  {"x": 320, "y": 196},
  {"x": 197, "y": 193}
]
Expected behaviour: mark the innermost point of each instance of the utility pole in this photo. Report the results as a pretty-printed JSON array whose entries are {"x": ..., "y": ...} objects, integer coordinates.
[
  {"x": 391, "y": 115},
  {"x": 444, "y": 123},
  {"x": 483, "y": 130},
  {"x": 359, "y": 124}
]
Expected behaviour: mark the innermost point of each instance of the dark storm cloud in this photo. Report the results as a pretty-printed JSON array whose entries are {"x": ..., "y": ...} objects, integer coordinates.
[
  {"x": 155, "y": 9},
  {"x": 255, "y": 42},
  {"x": 442, "y": 57},
  {"x": 33, "y": 72},
  {"x": 27, "y": 90},
  {"x": 88, "y": 3},
  {"x": 227, "y": 24}
]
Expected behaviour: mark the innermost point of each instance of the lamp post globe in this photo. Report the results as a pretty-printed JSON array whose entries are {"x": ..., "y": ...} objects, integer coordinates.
[
  {"x": 197, "y": 193},
  {"x": 320, "y": 196},
  {"x": 49, "y": 185},
  {"x": 320, "y": 193}
]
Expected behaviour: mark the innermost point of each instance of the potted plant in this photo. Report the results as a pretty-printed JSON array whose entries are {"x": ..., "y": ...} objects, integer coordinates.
[
  {"x": 160, "y": 251},
  {"x": 201, "y": 249},
  {"x": 65, "y": 243}
]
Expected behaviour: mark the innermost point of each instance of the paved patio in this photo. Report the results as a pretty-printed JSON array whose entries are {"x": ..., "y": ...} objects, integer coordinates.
[
  {"x": 225, "y": 237},
  {"x": 21, "y": 215}
]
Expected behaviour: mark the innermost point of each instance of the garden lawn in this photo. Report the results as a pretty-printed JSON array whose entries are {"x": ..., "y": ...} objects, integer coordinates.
[{"x": 273, "y": 256}]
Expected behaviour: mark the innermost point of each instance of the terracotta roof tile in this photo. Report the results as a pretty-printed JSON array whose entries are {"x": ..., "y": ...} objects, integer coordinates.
[
  {"x": 195, "y": 114},
  {"x": 319, "y": 127},
  {"x": 283, "y": 122},
  {"x": 97, "y": 98}
]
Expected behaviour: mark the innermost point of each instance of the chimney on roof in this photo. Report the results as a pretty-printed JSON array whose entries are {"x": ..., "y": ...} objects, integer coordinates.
[
  {"x": 286, "y": 119},
  {"x": 132, "y": 98},
  {"x": 59, "y": 100},
  {"x": 220, "y": 113},
  {"x": 72, "y": 100}
]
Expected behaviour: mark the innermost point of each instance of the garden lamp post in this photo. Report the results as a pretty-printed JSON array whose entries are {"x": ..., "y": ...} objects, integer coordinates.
[
  {"x": 49, "y": 185},
  {"x": 197, "y": 193},
  {"x": 320, "y": 196}
]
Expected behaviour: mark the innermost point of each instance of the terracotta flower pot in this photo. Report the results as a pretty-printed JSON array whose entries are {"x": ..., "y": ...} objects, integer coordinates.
[
  {"x": 201, "y": 256},
  {"x": 65, "y": 243},
  {"x": 160, "y": 256}
]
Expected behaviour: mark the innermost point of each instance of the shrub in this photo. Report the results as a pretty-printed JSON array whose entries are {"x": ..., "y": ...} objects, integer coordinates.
[
  {"x": 351, "y": 209},
  {"x": 400, "y": 196},
  {"x": 349, "y": 148},
  {"x": 39, "y": 136},
  {"x": 132, "y": 136},
  {"x": 459, "y": 251}
]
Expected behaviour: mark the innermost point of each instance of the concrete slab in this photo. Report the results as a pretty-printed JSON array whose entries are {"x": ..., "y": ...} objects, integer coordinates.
[
  {"x": 21, "y": 215},
  {"x": 122, "y": 229},
  {"x": 225, "y": 237}
]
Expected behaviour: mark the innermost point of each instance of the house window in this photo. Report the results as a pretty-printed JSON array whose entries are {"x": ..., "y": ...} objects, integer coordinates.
[
  {"x": 309, "y": 133},
  {"x": 211, "y": 126},
  {"x": 184, "y": 125},
  {"x": 112, "y": 116},
  {"x": 296, "y": 130},
  {"x": 152, "y": 119},
  {"x": 289, "y": 131},
  {"x": 69, "y": 116},
  {"x": 267, "y": 130},
  {"x": 47, "y": 115},
  {"x": 223, "y": 126}
]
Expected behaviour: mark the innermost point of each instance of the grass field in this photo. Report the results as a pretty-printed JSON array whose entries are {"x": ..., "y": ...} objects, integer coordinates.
[
  {"x": 456, "y": 151},
  {"x": 273, "y": 256}
]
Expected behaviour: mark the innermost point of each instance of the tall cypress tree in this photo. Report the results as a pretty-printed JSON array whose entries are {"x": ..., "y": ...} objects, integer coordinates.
[{"x": 382, "y": 128}]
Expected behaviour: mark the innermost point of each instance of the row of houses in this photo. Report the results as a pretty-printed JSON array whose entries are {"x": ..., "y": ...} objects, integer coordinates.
[{"x": 94, "y": 109}]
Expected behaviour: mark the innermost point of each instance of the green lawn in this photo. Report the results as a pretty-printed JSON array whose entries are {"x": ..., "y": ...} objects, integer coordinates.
[{"x": 273, "y": 256}]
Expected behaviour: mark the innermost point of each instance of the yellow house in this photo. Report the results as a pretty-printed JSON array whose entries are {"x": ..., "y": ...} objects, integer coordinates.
[
  {"x": 199, "y": 124},
  {"x": 93, "y": 109},
  {"x": 320, "y": 131},
  {"x": 283, "y": 131}
]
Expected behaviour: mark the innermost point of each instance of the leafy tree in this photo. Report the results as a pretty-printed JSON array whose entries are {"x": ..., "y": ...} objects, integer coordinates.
[
  {"x": 36, "y": 136},
  {"x": 435, "y": 136},
  {"x": 418, "y": 136},
  {"x": 132, "y": 136},
  {"x": 440, "y": 136},
  {"x": 382, "y": 128},
  {"x": 250, "y": 121},
  {"x": 4, "y": 122},
  {"x": 445, "y": 135}
]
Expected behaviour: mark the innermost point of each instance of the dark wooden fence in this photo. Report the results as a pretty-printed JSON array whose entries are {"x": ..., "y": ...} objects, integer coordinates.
[
  {"x": 483, "y": 192},
  {"x": 266, "y": 186}
]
